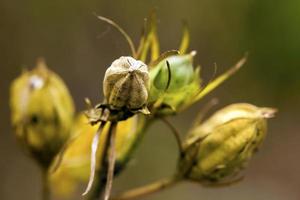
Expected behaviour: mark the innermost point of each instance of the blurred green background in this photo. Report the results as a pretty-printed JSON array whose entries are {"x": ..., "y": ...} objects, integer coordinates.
[{"x": 79, "y": 48}]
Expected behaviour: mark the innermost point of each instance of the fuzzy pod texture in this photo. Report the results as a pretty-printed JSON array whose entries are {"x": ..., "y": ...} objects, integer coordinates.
[
  {"x": 42, "y": 112},
  {"x": 222, "y": 146},
  {"x": 126, "y": 84}
]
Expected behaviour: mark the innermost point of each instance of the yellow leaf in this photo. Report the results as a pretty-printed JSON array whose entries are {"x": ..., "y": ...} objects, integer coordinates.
[{"x": 185, "y": 41}]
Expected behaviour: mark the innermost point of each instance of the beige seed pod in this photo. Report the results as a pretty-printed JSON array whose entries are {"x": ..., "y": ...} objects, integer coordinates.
[{"x": 126, "y": 84}]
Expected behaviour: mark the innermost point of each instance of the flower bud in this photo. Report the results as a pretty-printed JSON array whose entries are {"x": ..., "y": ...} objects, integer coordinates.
[
  {"x": 223, "y": 144},
  {"x": 41, "y": 111},
  {"x": 174, "y": 85},
  {"x": 182, "y": 72},
  {"x": 126, "y": 84}
]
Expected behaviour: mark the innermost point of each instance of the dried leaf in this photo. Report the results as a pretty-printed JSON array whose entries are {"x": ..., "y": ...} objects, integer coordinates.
[
  {"x": 111, "y": 161},
  {"x": 93, "y": 158}
]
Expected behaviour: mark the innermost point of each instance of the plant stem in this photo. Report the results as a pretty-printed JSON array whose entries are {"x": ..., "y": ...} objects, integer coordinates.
[
  {"x": 175, "y": 133},
  {"x": 45, "y": 185},
  {"x": 203, "y": 112},
  {"x": 148, "y": 189},
  {"x": 111, "y": 160},
  {"x": 100, "y": 181}
]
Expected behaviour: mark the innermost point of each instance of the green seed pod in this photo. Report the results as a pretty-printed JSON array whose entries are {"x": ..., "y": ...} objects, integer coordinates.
[
  {"x": 222, "y": 146},
  {"x": 126, "y": 84},
  {"x": 176, "y": 85},
  {"x": 182, "y": 72},
  {"x": 42, "y": 112}
]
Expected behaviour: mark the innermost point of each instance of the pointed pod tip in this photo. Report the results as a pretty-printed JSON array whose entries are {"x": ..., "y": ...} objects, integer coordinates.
[
  {"x": 145, "y": 111},
  {"x": 193, "y": 53},
  {"x": 87, "y": 101},
  {"x": 41, "y": 63},
  {"x": 267, "y": 112}
]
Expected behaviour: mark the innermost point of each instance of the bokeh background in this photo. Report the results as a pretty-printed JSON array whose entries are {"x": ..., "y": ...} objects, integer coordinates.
[{"x": 79, "y": 48}]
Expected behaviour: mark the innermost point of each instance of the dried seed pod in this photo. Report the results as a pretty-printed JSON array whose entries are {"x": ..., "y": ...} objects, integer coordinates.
[
  {"x": 42, "y": 112},
  {"x": 223, "y": 145},
  {"x": 126, "y": 84}
]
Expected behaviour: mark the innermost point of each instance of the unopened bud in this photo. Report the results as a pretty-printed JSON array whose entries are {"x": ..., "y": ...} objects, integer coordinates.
[
  {"x": 174, "y": 83},
  {"x": 182, "y": 72},
  {"x": 223, "y": 145},
  {"x": 42, "y": 112}
]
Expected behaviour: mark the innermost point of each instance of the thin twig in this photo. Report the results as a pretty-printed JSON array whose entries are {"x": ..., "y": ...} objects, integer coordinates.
[
  {"x": 201, "y": 114},
  {"x": 121, "y": 30},
  {"x": 175, "y": 133}
]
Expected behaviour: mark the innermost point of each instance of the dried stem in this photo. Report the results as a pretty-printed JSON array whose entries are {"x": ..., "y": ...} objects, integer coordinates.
[
  {"x": 45, "y": 185},
  {"x": 99, "y": 183},
  {"x": 121, "y": 30},
  {"x": 111, "y": 160}
]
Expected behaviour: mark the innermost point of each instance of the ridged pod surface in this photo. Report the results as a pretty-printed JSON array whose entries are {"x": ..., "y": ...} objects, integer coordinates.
[
  {"x": 126, "y": 84},
  {"x": 222, "y": 145},
  {"x": 42, "y": 112}
]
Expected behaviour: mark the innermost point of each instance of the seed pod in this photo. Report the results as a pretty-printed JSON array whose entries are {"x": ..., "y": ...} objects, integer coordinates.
[
  {"x": 223, "y": 145},
  {"x": 42, "y": 112},
  {"x": 176, "y": 85},
  {"x": 182, "y": 72},
  {"x": 126, "y": 84}
]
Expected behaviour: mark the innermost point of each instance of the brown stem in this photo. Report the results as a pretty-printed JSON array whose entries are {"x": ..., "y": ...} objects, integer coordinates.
[
  {"x": 45, "y": 185},
  {"x": 148, "y": 189}
]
